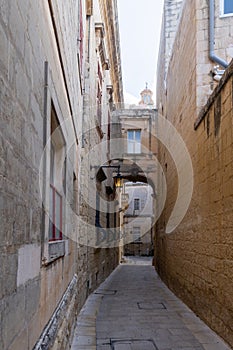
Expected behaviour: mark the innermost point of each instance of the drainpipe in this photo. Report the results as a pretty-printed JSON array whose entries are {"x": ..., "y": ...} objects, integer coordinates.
[
  {"x": 45, "y": 120},
  {"x": 212, "y": 55}
]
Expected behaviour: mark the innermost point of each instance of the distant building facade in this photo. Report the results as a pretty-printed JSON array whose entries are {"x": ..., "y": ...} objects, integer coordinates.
[
  {"x": 136, "y": 128},
  {"x": 138, "y": 219}
]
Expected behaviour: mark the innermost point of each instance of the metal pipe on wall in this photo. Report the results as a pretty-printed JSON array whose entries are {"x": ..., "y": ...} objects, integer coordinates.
[{"x": 212, "y": 54}]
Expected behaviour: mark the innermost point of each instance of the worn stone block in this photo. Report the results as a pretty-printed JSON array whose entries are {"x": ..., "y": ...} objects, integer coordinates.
[
  {"x": 13, "y": 316},
  {"x": 5, "y": 11},
  {"x": 193, "y": 257},
  {"x": 28, "y": 263},
  {"x": 4, "y": 51},
  {"x": 17, "y": 27},
  {"x": 32, "y": 296},
  {"x": 21, "y": 341},
  {"x": 30, "y": 289}
]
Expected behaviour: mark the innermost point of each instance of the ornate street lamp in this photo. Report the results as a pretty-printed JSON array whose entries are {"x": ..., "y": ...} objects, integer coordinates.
[{"x": 118, "y": 179}]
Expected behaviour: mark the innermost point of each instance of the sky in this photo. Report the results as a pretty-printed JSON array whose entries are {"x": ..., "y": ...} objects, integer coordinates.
[{"x": 139, "y": 24}]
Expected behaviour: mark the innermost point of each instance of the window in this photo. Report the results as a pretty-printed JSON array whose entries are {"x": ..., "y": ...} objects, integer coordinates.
[
  {"x": 136, "y": 204},
  {"x": 57, "y": 179},
  {"x": 99, "y": 105},
  {"x": 55, "y": 229},
  {"x": 137, "y": 234},
  {"x": 146, "y": 99},
  {"x": 97, "y": 211},
  {"x": 226, "y": 8},
  {"x": 134, "y": 141},
  {"x": 99, "y": 94}
]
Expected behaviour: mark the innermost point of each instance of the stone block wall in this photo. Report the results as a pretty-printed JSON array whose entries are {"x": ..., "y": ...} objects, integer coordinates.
[
  {"x": 195, "y": 260},
  {"x": 223, "y": 28},
  {"x": 35, "y": 290},
  {"x": 172, "y": 11}
]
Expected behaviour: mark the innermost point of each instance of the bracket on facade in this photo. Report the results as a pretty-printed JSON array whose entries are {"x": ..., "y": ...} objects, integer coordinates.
[{"x": 100, "y": 33}]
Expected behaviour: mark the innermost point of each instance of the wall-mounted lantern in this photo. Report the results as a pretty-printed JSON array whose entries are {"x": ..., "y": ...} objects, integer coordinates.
[
  {"x": 118, "y": 179},
  {"x": 101, "y": 176}
]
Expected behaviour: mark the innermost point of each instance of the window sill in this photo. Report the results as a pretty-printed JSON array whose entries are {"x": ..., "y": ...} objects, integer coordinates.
[
  {"x": 226, "y": 15},
  {"x": 149, "y": 153},
  {"x": 56, "y": 250}
]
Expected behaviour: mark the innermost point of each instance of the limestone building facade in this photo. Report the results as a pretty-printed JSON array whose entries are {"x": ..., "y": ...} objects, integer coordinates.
[
  {"x": 138, "y": 219},
  {"x": 60, "y": 75},
  {"x": 135, "y": 128},
  {"x": 195, "y": 258}
]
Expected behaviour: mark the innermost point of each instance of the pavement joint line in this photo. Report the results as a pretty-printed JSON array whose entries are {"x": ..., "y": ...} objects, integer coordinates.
[
  {"x": 105, "y": 292},
  {"x": 154, "y": 306},
  {"x": 131, "y": 341}
]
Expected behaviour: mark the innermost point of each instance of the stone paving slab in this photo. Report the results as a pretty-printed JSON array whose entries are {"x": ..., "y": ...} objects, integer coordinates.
[
  {"x": 134, "y": 310},
  {"x": 144, "y": 314},
  {"x": 85, "y": 329}
]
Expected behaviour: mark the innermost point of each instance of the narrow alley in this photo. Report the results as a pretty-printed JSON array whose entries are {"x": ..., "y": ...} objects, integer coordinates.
[
  {"x": 134, "y": 310},
  {"x": 116, "y": 174}
]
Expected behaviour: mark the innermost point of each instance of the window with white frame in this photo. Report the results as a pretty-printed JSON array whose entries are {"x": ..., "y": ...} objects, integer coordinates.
[
  {"x": 134, "y": 141},
  {"x": 57, "y": 175},
  {"x": 226, "y": 8}
]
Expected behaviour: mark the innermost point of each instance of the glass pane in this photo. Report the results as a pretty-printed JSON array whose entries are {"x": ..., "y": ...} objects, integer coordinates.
[
  {"x": 130, "y": 146},
  {"x": 52, "y": 170},
  {"x": 134, "y": 141},
  {"x": 228, "y": 6},
  {"x": 130, "y": 135},
  {"x": 136, "y": 204},
  {"x": 138, "y": 141},
  {"x": 57, "y": 215},
  {"x": 64, "y": 176},
  {"x": 138, "y": 135},
  {"x": 137, "y": 147}
]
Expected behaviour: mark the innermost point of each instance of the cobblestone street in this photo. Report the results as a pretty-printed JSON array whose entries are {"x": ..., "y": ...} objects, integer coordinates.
[{"x": 136, "y": 311}]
